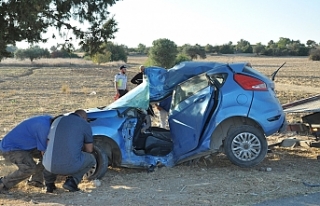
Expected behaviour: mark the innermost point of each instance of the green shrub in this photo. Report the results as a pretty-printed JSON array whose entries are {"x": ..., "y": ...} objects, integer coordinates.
[
  {"x": 181, "y": 58},
  {"x": 148, "y": 63},
  {"x": 101, "y": 58},
  {"x": 88, "y": 58}
]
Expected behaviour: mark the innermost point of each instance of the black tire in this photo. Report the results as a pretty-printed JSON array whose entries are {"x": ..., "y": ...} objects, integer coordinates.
[
  {"x": 100, "y": 169},
  {"x": 245, "y": 146}
]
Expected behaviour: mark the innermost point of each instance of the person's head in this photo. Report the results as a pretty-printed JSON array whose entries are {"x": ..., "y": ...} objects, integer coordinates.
[
  {"x": 141, "y": 68},
  {"x": 123, "y": 69},
  {"x": 81, "y": 113}
]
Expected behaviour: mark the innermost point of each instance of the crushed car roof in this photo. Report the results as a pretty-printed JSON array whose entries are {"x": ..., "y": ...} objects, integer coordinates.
[{"x": 162, "y": 81}]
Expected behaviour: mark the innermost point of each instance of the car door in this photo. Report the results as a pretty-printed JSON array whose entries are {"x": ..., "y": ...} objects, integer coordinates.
[{"x": 188, "y": 113}]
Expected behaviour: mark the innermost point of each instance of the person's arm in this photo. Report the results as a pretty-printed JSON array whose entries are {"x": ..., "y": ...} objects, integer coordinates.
[
  {"x": 42, "y": 152},
  {"x": 134, "y": 79},
  {"x": 137, "y": 79},
  {"x": 88, "y": 138},
  {"x": 41, "y": 135},
  {"x": 88, "y": 147},
  {"x": 116, "y": 85}
]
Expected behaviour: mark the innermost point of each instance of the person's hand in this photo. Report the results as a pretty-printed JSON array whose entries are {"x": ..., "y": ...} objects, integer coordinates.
[
  {"x": 116, "y": 96},
  {"x": 158, "y": 107}
]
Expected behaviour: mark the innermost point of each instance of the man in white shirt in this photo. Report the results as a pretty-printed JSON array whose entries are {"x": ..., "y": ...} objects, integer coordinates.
[{"x": 120, "y": 82}]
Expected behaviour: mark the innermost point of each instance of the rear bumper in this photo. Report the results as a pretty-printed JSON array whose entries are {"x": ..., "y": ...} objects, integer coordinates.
[{"x": 283, "y": 127}]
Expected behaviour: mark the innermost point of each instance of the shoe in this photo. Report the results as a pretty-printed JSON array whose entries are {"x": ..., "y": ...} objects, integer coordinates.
[
  {"x": 35, "y": 183},
  {"x": 3, "y": 188},
  {"x": 70, "y": 185},
  {"x": 50, "y": 187}
]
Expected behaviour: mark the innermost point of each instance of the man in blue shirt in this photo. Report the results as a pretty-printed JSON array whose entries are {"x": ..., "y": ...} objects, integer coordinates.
[
  {"x": 70, "y": 143},
  {"x": 26, "y": 141}
]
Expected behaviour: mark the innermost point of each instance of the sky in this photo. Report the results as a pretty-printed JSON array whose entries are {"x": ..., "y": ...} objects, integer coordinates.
[{"x": 214, "y": 22}]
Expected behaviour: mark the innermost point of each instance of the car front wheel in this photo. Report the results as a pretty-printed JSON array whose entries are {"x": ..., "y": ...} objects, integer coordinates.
[
  {"x": 101, "y": 166},
  {"x": 245, "y": 146}
]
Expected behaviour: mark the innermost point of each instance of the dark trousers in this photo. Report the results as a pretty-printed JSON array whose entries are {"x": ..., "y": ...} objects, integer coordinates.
[
  {"x": 122, "y": 92},
  {"x": 89, "y": 162},
  {"x": 26, "y": 167}
]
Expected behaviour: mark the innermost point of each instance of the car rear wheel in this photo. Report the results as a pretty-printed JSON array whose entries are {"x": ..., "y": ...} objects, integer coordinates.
[
  {"x": 101, "y": 166},
  {"x": 245, "y": 146}
]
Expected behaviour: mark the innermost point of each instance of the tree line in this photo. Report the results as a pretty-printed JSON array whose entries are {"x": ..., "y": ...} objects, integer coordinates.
[{"x": 166, "y": 53}]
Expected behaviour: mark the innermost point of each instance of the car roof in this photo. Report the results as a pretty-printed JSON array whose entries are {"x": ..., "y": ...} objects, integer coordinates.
[{"x": 162, "y": 81}]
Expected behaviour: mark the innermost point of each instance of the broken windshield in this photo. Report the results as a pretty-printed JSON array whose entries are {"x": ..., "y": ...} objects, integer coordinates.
[{"x": 137, "y": 97}]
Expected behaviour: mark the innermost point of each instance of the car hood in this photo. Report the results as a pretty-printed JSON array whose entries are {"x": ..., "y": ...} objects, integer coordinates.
[{"x": 159, "y": 83}]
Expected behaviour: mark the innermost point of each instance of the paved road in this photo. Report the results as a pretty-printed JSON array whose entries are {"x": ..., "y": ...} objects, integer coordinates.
[{"x": 303, "y": 200}]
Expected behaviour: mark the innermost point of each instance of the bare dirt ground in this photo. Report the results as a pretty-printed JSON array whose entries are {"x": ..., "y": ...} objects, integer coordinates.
[{"x": 31, "y": 89}]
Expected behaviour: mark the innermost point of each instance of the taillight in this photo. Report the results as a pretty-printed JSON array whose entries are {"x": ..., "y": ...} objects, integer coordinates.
[{"x": 250, "y": 83}]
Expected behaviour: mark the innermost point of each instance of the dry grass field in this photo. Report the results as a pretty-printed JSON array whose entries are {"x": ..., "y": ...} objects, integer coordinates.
[{"x": 59, "y": 86}]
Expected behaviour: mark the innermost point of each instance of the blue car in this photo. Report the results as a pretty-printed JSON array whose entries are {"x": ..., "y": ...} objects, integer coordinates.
[{"x": 215, "y": 108}]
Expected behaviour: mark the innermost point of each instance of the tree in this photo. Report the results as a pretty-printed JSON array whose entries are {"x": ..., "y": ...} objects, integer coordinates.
[
  {"x": 53, "y": 48},
  {"x": 141, "y": 49},
  {"x": 28, "y": 20},
  {"x": 272, "y": 48},
  {"x": 243, "y": 46},
  {"x": 209, "y": 48},
  {"x": 163, "y": 53},
  {"x": 194, "y": 51},
  {"x": 259, "y": 48},
  {"x": 31, "y": 53},
  {"x": 283, "y": 43},
  {"x": 311, "y": 43},
  {"x": 118, "y": 52},
  {"x": 216, "y": 48},
  {"x": 295, "y": 48},
  {"x": 227, "y": 48},
  {"x": 63, "y": 53}
]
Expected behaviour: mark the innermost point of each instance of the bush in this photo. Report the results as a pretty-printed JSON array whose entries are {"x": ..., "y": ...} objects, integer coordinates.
[
  {"x": 88, "y": 58},
  {"x": 101, "y": 58},
  {"x": 315, "y": 54},
  {"x": 181, "y": 58}
]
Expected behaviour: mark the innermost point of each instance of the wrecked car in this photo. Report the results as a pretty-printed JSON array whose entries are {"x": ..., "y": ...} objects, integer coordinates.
[{"x": 216, "y": 108}]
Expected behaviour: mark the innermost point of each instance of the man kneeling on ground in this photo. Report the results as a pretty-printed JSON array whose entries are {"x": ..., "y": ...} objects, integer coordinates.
[
  {"x": 70, "y": 143},
  {"x": 20, "y": 146}
]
